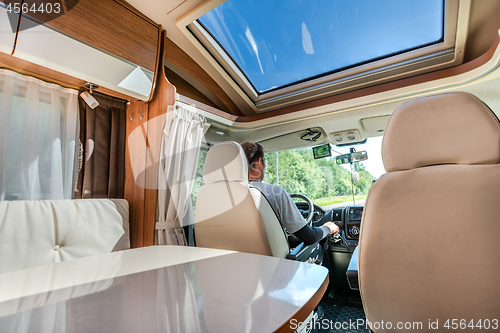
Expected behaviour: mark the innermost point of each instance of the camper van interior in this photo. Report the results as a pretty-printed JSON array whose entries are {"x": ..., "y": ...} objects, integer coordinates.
[{"x": 129, "y": 204}]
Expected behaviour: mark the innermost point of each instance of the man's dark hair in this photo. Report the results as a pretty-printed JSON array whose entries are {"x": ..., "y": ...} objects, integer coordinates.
[{"x": 253, "y": 151}]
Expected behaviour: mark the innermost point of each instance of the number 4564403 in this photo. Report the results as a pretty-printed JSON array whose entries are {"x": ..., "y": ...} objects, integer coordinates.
[
  {"x": 462, "y": 324},
  {"x": 25, "y": 8}
]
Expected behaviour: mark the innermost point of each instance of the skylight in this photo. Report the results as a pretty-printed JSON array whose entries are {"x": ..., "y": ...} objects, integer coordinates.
[{"x": 279, "y": 43}]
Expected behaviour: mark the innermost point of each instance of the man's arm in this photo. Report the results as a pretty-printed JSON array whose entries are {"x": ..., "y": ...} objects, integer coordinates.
[
  {"x": 310, "y": 235},
  {"x": 294, "y": 222}
]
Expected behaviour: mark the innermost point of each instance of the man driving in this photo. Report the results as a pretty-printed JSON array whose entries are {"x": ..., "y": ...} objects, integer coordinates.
[{"x": 281, "y": 202}]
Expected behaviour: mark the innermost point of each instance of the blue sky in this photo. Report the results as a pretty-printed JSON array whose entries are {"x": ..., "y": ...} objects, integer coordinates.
[{"x": 278, "y": 42}]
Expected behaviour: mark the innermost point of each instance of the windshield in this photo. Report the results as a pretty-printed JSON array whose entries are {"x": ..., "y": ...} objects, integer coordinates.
[{"x": 327, "y": 184}]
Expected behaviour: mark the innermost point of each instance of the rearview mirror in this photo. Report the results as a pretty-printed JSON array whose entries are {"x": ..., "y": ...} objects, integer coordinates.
[{"x": 356, "y": 156}]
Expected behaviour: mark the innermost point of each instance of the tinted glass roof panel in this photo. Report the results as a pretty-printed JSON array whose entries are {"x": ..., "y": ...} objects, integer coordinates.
[{"x": 276, "y": 43}]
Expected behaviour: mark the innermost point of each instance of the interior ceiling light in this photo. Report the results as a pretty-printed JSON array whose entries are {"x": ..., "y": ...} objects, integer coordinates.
[{"x": 87, "y": 96}]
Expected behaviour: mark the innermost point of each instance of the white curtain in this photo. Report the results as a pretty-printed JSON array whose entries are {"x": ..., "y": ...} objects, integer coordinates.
[
  {"x": 180, "y": 150},
  {"x": 38, "y": 124}
]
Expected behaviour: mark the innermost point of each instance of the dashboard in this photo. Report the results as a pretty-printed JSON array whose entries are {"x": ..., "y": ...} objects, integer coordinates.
[
  {"x": 339, "y": 248},
  {"x": 348, "y": 219}
]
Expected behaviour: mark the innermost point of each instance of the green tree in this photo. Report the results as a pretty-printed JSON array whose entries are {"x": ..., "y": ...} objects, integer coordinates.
[
  {"x": 299, "y": 172},
  {"x": 198, "y": 179}
]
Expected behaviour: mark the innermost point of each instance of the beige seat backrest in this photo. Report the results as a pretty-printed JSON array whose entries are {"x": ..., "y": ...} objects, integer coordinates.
[
  {"x": 34, "y": 233},
  {"x": 230, "y": 214},
  {"x": 430, "y": 236}
]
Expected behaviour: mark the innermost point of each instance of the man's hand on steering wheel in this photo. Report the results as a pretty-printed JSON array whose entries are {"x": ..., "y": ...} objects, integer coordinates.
[{"x": 334, "y": 229}]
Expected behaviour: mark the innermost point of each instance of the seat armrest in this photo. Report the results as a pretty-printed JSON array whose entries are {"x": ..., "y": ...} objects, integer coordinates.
[
  {"x": 293, "y": 254},
  {"x": 302, "y": 252},
  {"x": 352, "y": 271}
]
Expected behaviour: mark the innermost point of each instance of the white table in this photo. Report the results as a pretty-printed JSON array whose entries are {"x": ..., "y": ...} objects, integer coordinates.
[{"x": 162, "y": 289}]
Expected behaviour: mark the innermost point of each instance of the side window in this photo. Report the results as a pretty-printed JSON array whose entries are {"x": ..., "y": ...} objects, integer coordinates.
[
  {"x": 38, "y": 122},
  {"x": 198, "y": 180}
]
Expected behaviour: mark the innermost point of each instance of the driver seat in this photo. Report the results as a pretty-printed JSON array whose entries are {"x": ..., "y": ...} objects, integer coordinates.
[{"x": 231, "y": 214}]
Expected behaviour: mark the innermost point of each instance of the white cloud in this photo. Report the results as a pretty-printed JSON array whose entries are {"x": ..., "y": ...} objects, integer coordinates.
[{"x": 306, "y": 40}]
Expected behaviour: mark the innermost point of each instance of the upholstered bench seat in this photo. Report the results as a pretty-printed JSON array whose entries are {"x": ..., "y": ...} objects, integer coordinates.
[{"x": 34, "y": 233}]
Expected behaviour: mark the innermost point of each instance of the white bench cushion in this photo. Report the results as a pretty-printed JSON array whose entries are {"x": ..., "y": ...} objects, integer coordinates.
[{"x": 35, "y": 233}]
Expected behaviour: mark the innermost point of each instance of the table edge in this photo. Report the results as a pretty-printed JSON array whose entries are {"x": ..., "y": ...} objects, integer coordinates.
[{"x": 305, "y": 310}]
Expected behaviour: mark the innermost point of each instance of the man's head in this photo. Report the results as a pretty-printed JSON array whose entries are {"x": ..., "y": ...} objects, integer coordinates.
[{"x": 256, "y": 160}]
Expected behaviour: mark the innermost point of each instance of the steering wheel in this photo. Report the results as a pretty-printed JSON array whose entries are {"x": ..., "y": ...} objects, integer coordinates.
[{"x": 310, "y": 211}]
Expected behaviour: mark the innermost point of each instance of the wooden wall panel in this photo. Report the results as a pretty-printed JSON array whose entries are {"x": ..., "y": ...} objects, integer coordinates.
[
  {"x": 135, "y": 11},
  {"x": 143, "y": 152},
  {"x": 164, "y": 95},
  {"x": 185, "y": 88},
  {"x": 178, "y": 57},
  {"x": 135, "y": 165},
  {"x": 110, "y": 26}
]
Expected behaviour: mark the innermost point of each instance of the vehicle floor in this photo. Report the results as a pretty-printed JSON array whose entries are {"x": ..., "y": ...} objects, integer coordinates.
[{"x": 338, "y": 311}]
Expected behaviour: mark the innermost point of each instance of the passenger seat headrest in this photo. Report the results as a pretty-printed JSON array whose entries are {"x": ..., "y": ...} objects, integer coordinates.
[
  {"x": 225, "y": 161},
  {"x": 449, "y": 128}
]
